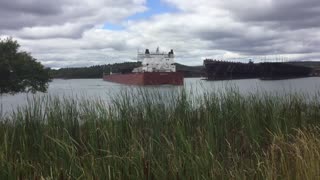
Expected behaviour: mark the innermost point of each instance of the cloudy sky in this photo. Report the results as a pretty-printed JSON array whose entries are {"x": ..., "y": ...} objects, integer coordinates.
[{"x": 73, "y": 33}]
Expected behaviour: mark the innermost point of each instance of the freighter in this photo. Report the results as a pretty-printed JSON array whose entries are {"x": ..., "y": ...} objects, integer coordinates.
[
  {"x": 157, "y": 69},
  {"x": 218, "y": 70}
]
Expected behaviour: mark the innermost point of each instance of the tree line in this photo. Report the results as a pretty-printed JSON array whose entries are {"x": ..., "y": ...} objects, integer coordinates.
[
  {"x": 93, "y": 71},
  {"x": 125, "y": 67}
]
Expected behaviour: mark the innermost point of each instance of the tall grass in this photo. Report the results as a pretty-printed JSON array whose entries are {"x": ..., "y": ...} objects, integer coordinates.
[
  {"x": 298, "y": 158},
  {"x": 145, "y": 134}
]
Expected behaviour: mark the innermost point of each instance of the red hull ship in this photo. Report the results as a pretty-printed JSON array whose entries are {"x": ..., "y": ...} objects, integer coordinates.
[
  {"x": 157, "y": 69},
  {"x": 147, "y": 78}
]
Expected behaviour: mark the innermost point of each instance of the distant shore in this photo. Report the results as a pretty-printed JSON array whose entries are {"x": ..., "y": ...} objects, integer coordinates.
[{"x": 97, "y": 71}]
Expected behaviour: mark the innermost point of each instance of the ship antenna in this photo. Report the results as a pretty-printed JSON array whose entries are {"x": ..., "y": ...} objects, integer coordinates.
[{"x": 137, "y": 54}]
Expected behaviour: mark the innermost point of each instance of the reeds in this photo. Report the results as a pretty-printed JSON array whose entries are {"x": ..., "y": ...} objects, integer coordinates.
[{"x": 149, "y": 134}]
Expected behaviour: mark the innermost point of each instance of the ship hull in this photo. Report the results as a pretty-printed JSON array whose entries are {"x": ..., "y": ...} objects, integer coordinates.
[
  {"x": 220, "y": 70},
  {"x": 146, "y": 78},
  {"x": 270, "y": 71}
]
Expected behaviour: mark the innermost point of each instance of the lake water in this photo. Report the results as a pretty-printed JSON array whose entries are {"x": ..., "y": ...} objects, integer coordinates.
[{"x": 97, "y": 88}]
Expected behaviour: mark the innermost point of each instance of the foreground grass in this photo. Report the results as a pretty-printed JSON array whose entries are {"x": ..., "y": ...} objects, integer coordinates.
[{"x": 154, "y": 135}]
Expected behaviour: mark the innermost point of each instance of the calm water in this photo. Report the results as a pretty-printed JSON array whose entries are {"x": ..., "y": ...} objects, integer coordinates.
[{"x": 97, "y": 88}]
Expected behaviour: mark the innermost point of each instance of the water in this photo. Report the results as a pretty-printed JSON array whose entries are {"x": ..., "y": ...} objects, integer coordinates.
[{"x": 97, "y": 88}]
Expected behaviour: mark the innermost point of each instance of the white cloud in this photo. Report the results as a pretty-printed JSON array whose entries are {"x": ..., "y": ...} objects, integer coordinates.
[{"x": 71, "y": 33}]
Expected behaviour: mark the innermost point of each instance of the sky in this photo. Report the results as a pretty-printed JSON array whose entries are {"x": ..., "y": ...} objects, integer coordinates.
[{"x": 76, "y": 33}]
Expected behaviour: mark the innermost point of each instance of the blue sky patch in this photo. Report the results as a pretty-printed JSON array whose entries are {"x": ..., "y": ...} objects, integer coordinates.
[
  {"x": 112, "y": 26},
  {"x": 154, "y": 7}
]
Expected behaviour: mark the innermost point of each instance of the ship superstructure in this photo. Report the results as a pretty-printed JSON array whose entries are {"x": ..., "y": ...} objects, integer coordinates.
[{"x": 156, "y": 61}]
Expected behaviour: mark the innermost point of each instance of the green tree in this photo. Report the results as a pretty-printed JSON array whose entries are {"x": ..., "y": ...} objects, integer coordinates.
[{"x": 19, "y": 71}]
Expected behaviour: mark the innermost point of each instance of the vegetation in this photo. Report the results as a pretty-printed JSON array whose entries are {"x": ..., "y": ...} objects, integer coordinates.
[
  {"x": 19, "y": 71},
  {"x": 93, "y": 71},
  {"x": 144, "y": 134},
  {"x": 190, "y": 71},
  {"x": 97, "y": 71},
  {"x": 312, "y": 64}
]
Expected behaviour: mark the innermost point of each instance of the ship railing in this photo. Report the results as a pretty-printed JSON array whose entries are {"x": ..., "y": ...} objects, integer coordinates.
[{"x": 141, "y": 56}]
